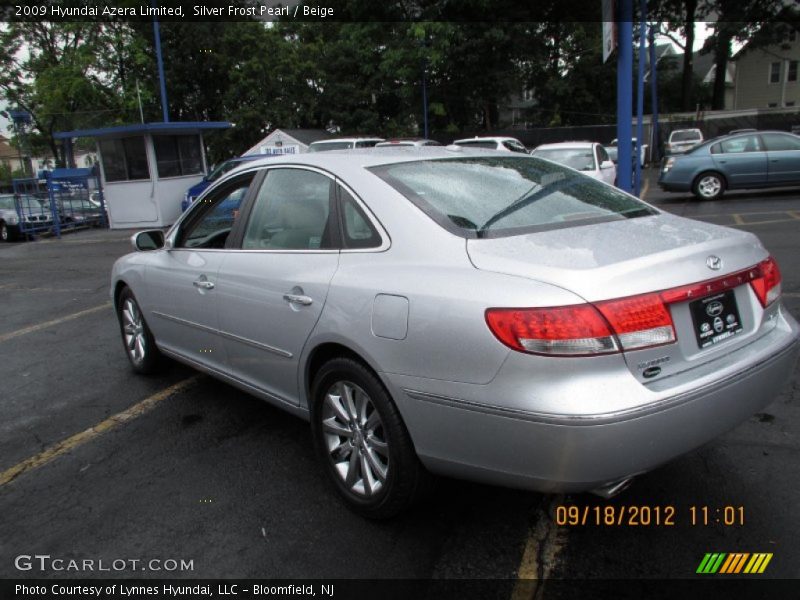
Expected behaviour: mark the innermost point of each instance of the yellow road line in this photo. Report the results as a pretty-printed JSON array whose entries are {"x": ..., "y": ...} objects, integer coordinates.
[
  {"x": 544, "y": 542},
  {"x": 87, "y": 435},
  {"x": 25, "y": 330},
  {"x": 771, "y": 221}
]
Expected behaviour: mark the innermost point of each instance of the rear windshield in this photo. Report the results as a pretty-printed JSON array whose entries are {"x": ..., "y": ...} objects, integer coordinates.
[
  {"x": 685, "y": 136},
  {"x": 501, "y": 196},
  {"x": 581, "y": 159}
]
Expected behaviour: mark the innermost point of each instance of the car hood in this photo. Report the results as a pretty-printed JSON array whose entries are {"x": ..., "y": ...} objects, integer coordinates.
[{"x": 620, "y": 258}]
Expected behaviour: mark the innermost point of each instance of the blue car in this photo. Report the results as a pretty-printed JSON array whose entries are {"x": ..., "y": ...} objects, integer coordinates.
[
  {"x": 734, "y": 162},
  {"x": 193, "y": 192}
]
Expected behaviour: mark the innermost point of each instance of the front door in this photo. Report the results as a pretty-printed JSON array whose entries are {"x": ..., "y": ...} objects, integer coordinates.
[{"x": 182, "y": 280}]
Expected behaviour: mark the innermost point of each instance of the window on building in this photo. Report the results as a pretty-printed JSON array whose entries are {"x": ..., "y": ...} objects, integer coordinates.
[
  {"x": 178, "y": 155},
  {"x": 792, "y": 74},
  {"x": 788, "y": 104},
  {"x": 775, "y": 72},
  {"x": 772, "y": 105},
  {"x": 124, "y": 159}
]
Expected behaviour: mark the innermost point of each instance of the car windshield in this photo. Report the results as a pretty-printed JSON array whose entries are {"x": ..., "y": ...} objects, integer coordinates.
[
  {"x": 221, "y": 169},
  {"x": 581, "y": 159},
  {"x": 330, "y": 146},
  {"x": 499, "y": 196},
  {"x": 685, "y": 136}
]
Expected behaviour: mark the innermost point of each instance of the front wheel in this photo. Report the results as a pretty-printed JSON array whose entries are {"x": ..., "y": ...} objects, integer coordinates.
[
  {"x": 362, "y": 441},
  {"x": 140, "y": 346},
  {"x": 709, "y": 186}
]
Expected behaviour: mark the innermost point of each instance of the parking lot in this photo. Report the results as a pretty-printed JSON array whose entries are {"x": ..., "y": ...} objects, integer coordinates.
[{"x": 98, "y": 463}]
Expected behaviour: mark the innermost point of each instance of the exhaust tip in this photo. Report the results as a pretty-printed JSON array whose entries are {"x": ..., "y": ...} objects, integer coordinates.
[{"x": 609, "y": 490}]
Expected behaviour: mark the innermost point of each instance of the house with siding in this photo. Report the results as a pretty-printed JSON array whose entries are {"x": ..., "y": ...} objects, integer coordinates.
[{"x": 767, "y": 77}]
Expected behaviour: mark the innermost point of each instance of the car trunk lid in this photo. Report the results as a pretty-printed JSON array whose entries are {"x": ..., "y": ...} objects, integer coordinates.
[{"x": 637, "y": 256}]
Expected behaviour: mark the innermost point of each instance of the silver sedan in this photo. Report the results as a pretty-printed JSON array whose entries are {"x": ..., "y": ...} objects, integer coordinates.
[{"x": 489, "y": 316}]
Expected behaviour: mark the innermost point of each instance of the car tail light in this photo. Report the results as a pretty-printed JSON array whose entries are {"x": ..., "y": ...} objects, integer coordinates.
[
  {"x": 767, "y": 285},
  {"x": 631, "y": 323},
  {"x": 563, "y": 330}
]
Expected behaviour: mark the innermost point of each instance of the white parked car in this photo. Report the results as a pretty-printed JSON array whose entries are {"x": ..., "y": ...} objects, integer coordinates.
[
  {"x": 590, "y": 158},
  {"x": 613, "y": 151},
  {"x": 416, "y": 142},
  {"x": 682, "y": 140},
  {"x": 343, "y": 144},
  {"x": 504, "y": 144}
]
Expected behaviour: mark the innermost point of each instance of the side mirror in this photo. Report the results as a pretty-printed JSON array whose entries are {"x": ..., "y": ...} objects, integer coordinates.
[
  {"x": 606, "y": 164},
  {"x": 152, "y": 239}
]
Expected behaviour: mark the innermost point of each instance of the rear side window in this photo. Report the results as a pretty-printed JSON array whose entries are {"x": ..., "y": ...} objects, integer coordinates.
[
  {"x": 357, "y": 231},
  {"x": 744, "y": 143},
  {"x": 500, "y": 196}
]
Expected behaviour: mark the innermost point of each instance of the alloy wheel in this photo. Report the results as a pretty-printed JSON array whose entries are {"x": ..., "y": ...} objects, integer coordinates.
[
  {"x": 133, "y": 330},
  {"x": 709, "y": 186},
  {"x": 355, "y": 439}
]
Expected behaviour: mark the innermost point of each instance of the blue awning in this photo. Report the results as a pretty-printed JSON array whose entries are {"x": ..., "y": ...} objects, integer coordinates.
[{"x": 175, "y": 127}]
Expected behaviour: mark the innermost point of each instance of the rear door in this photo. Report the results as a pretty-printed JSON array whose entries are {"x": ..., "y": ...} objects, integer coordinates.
[
  {"x": 273, "y": 286},
  {"x": 783, "y": 153},
  {"x": 743, "y": 161}
]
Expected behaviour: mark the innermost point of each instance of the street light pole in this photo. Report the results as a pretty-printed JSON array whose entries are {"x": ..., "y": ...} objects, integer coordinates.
[{"x": 624, "y": 93}]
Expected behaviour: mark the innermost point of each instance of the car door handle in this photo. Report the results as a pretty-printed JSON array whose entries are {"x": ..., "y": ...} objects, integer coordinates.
[
  {"x": 203, "y": 284},
  {"x": 298, "y": 299}
]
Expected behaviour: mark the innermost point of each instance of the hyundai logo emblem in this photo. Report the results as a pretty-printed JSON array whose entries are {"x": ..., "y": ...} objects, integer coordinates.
[
  {"x": 714, "y": 263},
  {"x": 714, "y": 309}
]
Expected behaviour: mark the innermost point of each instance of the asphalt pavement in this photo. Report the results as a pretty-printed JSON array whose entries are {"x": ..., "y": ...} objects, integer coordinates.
[{"x": 98, "y": 463}]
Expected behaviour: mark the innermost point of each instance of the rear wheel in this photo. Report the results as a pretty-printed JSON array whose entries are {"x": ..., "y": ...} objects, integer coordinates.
[
  {"x": 6, "y": 235},
  {"x": 140, "y": 346},
  {"x": 362, "y": 441},
  {"x": 709, "y": 186}
]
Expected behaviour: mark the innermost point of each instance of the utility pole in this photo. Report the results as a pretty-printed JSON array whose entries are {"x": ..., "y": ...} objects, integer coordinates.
[
  {"x": 640, "y": 97},
  {"x": 160, "y": 61},
  {"x": 624, "y": 93}
]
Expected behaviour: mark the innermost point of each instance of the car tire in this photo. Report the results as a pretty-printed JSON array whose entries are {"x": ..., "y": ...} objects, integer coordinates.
[
  {"x": 362, "y": 441},
  {"x": 137, "y": 339},
  {"x": 708, "y": 186},
  {"x": 6, "y": 235}
]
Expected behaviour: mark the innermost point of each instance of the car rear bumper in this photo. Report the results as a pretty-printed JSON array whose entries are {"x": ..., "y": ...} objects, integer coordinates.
[{"x": 551, "y": 452}]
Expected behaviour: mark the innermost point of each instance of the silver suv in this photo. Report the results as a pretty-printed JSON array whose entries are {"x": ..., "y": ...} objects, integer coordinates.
[{"x": 28, "y": 209}]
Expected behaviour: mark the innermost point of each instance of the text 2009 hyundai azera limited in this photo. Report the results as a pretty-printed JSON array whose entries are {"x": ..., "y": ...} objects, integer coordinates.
[{"x": 493, "y": 317}]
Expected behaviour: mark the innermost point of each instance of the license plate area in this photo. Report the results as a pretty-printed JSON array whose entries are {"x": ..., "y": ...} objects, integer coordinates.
[{"x": 716, "y": 319}]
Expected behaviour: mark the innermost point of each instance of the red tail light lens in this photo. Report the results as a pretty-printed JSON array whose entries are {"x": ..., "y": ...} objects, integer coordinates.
[
  {"x": 611, "y": 326},
  {"x": 639, "y": 321},
  {"x": 767, "y": 285},
  {"x": 564, "y": 330}
]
